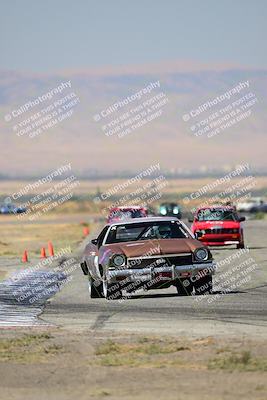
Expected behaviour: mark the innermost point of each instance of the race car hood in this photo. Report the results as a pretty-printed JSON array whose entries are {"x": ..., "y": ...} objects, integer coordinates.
[
  {"x": 153, "y": 247},
  {"x": 215, "y": 224}
]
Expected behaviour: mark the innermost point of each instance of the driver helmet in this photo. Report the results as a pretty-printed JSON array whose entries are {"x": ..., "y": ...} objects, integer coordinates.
[{"x": 164, "y": 231}]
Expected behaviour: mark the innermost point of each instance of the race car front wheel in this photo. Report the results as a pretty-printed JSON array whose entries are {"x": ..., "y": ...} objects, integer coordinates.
[
  {"x": 203, "y": 285},
  {"x": 184, "y": 287}
]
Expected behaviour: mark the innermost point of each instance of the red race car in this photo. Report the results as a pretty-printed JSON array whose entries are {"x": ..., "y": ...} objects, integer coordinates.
[
  {"x": 218, "y": 226},
  {"x": 125, "y": 213}
]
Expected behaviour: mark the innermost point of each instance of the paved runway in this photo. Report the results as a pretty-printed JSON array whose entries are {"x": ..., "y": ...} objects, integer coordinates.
[{"x": 239, "y": 311}]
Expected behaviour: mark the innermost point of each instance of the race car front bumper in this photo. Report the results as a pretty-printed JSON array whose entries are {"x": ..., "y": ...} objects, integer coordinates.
[
  {"x": 220, "y": 239},
  {"x": 166, "y": 273}
]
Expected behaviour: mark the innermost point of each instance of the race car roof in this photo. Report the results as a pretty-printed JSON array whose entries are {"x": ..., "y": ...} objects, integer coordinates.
[
  {"x": 144, "y": 219},
  {"x": 226, "y": 207}
]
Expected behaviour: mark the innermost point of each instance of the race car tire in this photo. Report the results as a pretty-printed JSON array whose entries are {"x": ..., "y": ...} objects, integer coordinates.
[
  {"x": 203, "y": 285},
  {"x": 184, "y": 287},
  {"x": 95, "y": 291},
  {"x": 84, "y": 268}
]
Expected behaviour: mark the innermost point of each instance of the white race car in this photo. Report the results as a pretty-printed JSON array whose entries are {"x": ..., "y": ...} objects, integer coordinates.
[{"x": 250, "y": 204}]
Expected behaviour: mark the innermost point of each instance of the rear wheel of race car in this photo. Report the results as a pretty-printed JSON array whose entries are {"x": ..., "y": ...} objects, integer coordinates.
[
  {"x": 95, "y": 291},
  {"x": 111, "y": 291},
  {"x": 184, "y": 287},
  {"x": 203, "y": 285}
]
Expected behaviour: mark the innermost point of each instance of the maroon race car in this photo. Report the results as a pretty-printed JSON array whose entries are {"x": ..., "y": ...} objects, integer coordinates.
[
  {"x": 148, "y": 253},
  {"x": 126, "y": 212}
]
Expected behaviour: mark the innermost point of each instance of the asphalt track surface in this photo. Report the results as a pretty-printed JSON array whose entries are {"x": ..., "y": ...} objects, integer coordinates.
[{"x": 239, "y": 312}]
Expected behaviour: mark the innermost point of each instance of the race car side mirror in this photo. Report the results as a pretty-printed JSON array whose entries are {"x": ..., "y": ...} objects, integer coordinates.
[
  {"x": 241, "y": 219},
  {"x": 94, "y": 241}
]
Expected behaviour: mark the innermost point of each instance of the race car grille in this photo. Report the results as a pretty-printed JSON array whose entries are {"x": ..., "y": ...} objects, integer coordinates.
[
  {"x": 220, "y": 231},
  {"x": 159, "y": 261}
]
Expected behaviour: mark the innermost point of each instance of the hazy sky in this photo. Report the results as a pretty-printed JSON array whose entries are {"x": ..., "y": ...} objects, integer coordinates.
[{"x": 51, "y": 35}]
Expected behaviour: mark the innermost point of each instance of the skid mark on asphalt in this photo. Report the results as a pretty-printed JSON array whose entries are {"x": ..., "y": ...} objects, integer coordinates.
[
  {"x": 23, "y": 299},
  {"x": 101, "y": 320}
]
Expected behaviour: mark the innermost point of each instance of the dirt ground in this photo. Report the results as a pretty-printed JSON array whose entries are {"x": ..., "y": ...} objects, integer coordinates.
[{"x": 58, "y": 365}]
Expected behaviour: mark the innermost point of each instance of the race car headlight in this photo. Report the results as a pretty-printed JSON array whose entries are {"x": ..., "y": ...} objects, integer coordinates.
[
  {"x": 201, "y": 254},
  {"x": 118, "y": 260},
  {"x": 176, "y": 210},
  {"x": 163, "y": 211},
  {"x": 235, "y": 230}
]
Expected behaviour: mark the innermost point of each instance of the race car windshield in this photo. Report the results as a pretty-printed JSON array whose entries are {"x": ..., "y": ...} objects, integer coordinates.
[
  {"x": 137, "y": 214},
  {"x": 216, "y": 215},
  {"x": 146, "y": 231}
]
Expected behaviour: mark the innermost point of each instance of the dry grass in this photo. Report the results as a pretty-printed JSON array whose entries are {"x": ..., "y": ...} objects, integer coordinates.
[
  {"x": 234, "y": 361},
  {"x": 3, "y": 275},
  {"x": 15, "y": 238},
  {"x": 143, "y": 353},
  {"x": 200, "y": 354},
  {"x": 28, "y": 349}
]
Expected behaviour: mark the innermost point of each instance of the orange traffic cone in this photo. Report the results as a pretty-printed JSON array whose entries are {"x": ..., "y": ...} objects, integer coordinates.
[
  {"x": 43, "y": 255},
  {"x": 50, "y": 249},
  {"x": 86, "y": 231},
  {"x": 25, "y": 257}
]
